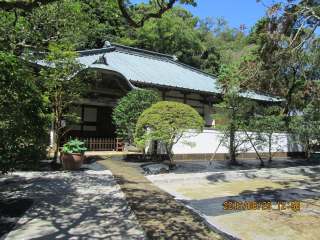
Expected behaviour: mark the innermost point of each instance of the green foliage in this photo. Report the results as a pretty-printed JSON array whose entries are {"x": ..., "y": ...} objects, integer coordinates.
[
  {"x": 285, "y": 62},
  {"x": 125, "y": 115},
  {"x": 269, "y": 120},
  {"x": 266, "y": 122},
  {"x": 84, "y": 24},
  {"x": 203, "y": 44},
  {"x": 280, "y": 56},
  {"x": 74, "y": 146},
  {"x": 167, "y": 122},
  {"x": 236, "y": 111},
  {"x": 307, "y": 127},
  {"x": 23, "y": 122},
  {"x": 62, "y": 86}
]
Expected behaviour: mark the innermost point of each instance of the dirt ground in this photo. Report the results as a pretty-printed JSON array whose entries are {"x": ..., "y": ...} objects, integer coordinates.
[
  {"x": 159, "y": 214},
  {"x": 291, "y": 198}
]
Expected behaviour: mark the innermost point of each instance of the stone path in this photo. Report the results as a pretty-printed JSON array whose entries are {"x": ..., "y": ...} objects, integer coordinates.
[
  {"x": 160, "y": 215},
  {"x": 71, "y": 205},
  {"x": 206, "y": 193}
]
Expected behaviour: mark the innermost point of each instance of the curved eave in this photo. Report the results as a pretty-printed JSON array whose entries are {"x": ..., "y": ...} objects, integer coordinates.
[{"x": 109, "y": 69}]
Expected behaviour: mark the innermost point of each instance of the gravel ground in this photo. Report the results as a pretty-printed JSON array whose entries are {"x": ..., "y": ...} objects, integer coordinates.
[
  {"x": 206, "y": 193},
  {"x": 85, "y": 204}
]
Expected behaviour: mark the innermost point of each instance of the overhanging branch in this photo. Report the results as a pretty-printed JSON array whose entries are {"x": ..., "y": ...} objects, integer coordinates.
[
  {"x": 23, "y": 4},
  {"x": 163, "y": 7}
]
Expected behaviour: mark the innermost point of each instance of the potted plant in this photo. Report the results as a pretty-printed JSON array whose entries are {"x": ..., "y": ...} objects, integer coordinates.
[{"x": 73, "y": 154}]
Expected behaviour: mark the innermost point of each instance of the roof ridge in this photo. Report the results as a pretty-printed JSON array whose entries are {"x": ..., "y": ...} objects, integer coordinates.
[
  {"x": 143, "y": 51},
  {"x": 96, "y": 51},
  {"x": 116, "y": 46},
  {"x": 194, "y": 69},
  {"x": 171, "y": 58}
]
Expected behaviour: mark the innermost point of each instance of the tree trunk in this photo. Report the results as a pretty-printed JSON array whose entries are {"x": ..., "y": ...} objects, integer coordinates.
[
  {"x": 270, "y": 147},
  {"x": 170, "y": 155},
  {"x": 57, "y": 137},
  {"x": 232, "y": 150},
  {"x": 154, "y": 153},
  {"x": 308, "y": 150},
  {"x": 261, "y": 161}
]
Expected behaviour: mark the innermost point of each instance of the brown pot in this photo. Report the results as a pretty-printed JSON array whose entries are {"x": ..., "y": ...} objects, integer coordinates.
[{"x": 72, "y": 161}]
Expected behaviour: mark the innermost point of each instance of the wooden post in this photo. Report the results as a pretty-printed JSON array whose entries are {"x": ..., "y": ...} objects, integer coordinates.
[
  {"x": 163, "y": 95},
  {"x": 184, "y": 98}
]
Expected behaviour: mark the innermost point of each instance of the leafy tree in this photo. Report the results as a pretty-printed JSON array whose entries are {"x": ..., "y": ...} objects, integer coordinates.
[
  {"x": 35, "y": 24},
  {"x": 88, "y": 24},
  {"x": 203, "y": 44},
  {"x": 23, "y": 122},
  {"x": 125, "y": 115},
  {"x": 174, "y": 34},
  {"x": 266, "y": 123},
  {"x": 297, "y": 19},
  {"x": 307, "y": 127},
  {"x": 285, "y": 54},
  {"x": 236, "y": 111},
  {"x": 84, "y": 24},
  {"x": 167, "y": 122},
  {"x": 62, "y": 87},
  {"x": 136, "y": 18}
]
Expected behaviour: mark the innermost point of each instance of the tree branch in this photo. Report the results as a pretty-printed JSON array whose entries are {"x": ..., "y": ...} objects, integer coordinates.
[
  {"x": 139, "y": 23},
  {"x": 163, "y": 6},
  {"x": 23, "y": 4}
]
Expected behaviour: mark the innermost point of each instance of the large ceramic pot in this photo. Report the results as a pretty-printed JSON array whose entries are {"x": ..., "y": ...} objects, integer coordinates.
[{"x": 72, "y": 161}]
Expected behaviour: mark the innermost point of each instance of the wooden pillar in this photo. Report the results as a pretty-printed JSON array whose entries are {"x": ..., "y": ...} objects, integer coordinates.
[
  {"x": 163, "y": 95},
  {"x": 184, "y": 98}
]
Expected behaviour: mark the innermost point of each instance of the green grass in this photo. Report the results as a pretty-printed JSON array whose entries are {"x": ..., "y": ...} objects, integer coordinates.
[{"x": 158, "y": 213}]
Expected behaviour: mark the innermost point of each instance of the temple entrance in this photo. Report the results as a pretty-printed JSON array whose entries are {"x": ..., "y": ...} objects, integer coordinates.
[
  {"x": 95, "y": 121},
  {"x": 94, "y": 111}
]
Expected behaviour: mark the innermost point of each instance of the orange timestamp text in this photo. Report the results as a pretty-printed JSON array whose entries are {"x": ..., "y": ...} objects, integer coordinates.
[{"x": 262, "y": 205}]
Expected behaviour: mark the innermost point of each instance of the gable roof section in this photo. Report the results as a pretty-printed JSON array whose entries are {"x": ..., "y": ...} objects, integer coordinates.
[{"x": 152, "y": 68}]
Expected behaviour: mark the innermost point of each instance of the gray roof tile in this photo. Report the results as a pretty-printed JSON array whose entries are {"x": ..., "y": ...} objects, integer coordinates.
[{"x": 142, "y": 66}]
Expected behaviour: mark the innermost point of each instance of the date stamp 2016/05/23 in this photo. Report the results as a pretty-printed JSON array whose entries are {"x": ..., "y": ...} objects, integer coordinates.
[{"x": 294, "y": 205}]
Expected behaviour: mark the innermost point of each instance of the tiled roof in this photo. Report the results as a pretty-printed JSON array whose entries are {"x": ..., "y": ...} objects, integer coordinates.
[
  {"x": 151, "y": 68},
  {"x": 146, "y": 67}
]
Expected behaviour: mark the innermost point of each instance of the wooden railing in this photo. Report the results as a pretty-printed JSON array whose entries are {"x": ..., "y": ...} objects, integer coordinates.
[{"x": 103, "y": 144}]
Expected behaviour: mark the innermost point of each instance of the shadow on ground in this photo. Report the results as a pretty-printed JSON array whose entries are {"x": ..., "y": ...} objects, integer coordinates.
[
  {"x": 197, "y": 166},
  {"x": 10, "y": 211},
  {"x": 305, "y": 188},
  {"x": 160, "y": 215},
  {"x": 71, "y": 206}
]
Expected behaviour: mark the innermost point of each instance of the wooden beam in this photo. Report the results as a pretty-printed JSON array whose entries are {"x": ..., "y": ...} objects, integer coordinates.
[{"x": 183, "y": 98}]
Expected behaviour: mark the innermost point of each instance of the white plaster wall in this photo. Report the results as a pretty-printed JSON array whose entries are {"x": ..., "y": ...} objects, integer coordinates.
[{"x": 208, "y": 141}]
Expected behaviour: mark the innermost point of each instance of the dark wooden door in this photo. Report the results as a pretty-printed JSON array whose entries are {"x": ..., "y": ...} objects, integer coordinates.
[{"x": 105, "y": 127}]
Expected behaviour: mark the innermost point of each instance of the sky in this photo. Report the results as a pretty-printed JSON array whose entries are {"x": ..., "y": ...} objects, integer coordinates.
[{"x": 236, "y": 12}]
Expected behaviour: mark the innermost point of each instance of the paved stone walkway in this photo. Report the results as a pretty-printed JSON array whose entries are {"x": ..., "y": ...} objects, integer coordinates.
[
  {"x": 71, "y": 205},
  {"x": 206, "y": 193},
  {"x": 160, "y": 215}
]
